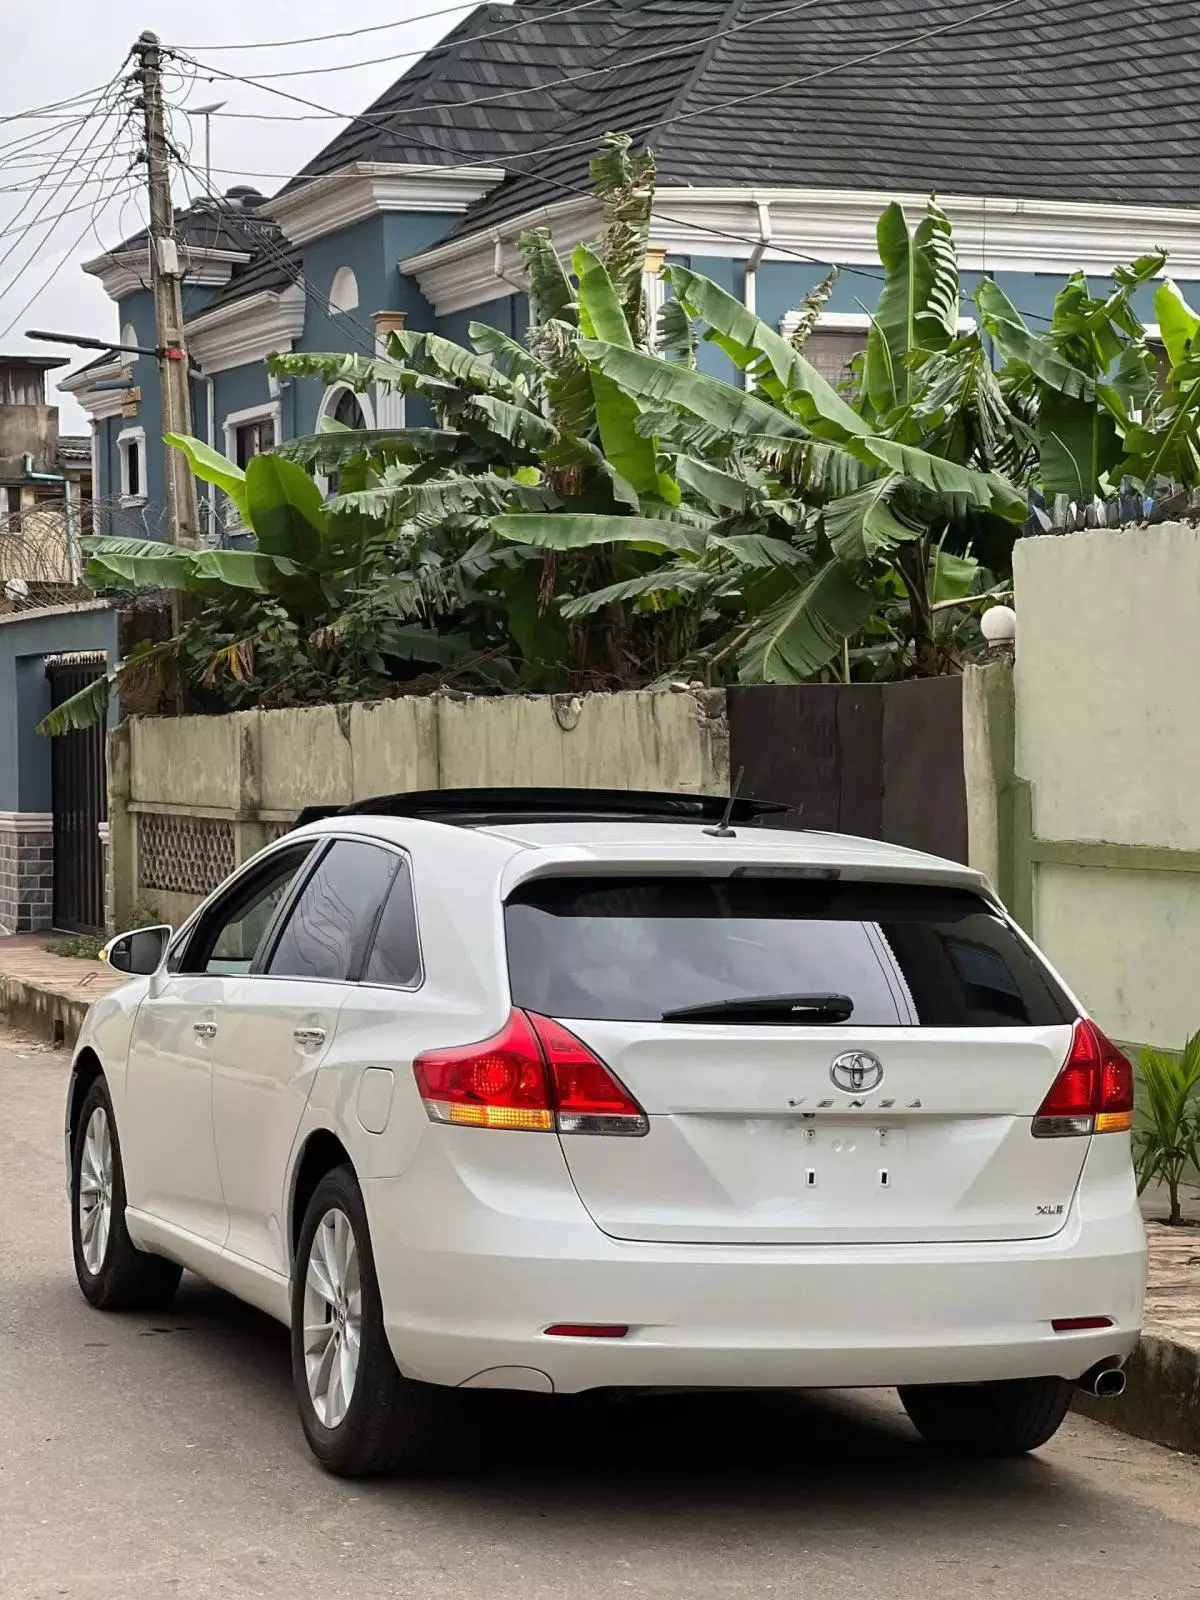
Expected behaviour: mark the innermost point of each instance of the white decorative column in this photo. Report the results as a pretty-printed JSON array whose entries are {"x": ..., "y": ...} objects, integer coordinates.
[{"x": 389, "y": 403}]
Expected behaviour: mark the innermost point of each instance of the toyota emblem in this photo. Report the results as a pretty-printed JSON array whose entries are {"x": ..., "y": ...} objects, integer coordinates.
[{"x": 856, "y": 1071}]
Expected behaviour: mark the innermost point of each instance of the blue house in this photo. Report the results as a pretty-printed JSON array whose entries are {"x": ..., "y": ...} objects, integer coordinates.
[{"x": 780, "y": 132}]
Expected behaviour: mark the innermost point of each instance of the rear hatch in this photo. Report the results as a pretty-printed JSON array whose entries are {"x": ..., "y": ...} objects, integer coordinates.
[{"x": 871, "y": 1074}]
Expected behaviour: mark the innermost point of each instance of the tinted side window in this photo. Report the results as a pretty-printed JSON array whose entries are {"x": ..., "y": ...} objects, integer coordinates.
[
  {"x": 327, "y": 933},
  {"x": 632, "y": 949},
  {"x": 395, "y": 957},
  {"x": 227, "y": 937}
]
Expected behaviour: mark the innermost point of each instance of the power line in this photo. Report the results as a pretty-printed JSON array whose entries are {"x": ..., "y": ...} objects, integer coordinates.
[
  {"x": 279, "y": 256},
  {"x": 55, "y": 105},
  {"x": 382, "y": 27}
]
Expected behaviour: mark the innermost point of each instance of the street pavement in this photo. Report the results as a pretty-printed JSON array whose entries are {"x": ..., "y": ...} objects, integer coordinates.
[{"x": 149, "y": 1457}]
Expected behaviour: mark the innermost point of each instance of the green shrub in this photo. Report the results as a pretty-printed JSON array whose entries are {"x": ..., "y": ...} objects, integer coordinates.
[{"x": 1167, "y": 1143}]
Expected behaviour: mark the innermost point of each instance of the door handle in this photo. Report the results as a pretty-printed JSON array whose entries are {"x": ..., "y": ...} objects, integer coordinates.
[
  {"x": 204, "y": 1030},
  {"x": 306, "y": 1036}
]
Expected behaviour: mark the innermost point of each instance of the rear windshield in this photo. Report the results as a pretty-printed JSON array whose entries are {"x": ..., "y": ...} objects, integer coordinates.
[{"x": 633, "y": 949}]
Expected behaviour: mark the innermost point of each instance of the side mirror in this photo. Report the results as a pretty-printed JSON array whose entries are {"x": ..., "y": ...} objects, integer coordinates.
[{"x": 139, "y": 953}]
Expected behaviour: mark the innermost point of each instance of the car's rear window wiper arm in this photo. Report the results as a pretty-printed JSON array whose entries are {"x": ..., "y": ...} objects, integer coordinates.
[{"x": 768, "y": 1007}]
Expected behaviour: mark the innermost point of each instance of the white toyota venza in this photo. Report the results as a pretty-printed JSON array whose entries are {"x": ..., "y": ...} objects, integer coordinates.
[{"x": 566, "y": 1090}]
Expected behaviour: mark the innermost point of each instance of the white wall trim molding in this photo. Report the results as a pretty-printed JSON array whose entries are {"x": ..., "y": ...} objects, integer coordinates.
[
  {"x": 247, "y": 331},
  {"x": 26, "y": 822},
  {"x": 364, "y": 188},
  {"x": 99, "y": 403},
  {"x": 124, "y": 272},
  {"x": 488, "y": 266},
  {"x": 994, "y": 234}
]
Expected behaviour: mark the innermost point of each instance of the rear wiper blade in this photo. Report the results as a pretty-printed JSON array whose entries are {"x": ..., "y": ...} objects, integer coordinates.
[{"x": 776, "y": 1007}]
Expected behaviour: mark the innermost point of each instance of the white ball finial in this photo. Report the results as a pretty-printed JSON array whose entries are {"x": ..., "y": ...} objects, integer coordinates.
[{"x": 999, "y": 625}]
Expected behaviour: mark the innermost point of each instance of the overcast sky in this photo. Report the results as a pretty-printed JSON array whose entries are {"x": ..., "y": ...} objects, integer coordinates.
[{"x": 83, "y": 42}]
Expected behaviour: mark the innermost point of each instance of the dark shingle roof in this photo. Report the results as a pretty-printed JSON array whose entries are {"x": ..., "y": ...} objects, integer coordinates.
[
  {"x": 1087, "y": 100},
  {"x": 212, "y": 224},
  {"x": 273, "y": 268}
]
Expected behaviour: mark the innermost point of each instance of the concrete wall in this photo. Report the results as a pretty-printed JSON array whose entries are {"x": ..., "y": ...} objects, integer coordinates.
[
  {"x": 1108, "y": 741},
  {"x": 190, "y": 796}
]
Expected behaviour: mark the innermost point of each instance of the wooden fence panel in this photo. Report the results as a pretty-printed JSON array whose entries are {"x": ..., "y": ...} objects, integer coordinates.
[{"x": 884, "y": 761}]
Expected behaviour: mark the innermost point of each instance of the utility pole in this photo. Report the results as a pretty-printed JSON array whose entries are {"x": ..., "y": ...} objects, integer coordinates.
[{"x": 183, "y": 520}]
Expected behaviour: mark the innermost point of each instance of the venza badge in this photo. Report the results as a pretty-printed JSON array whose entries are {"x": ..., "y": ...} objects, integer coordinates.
[{"x": 856, "y": 1071}]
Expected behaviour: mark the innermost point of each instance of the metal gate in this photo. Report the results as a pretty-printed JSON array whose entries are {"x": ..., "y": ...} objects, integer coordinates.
[{"x": 79, "y": 802}]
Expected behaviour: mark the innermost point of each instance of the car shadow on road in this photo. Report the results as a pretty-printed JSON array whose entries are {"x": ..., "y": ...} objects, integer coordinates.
[{"x": 841, "y": 1462}]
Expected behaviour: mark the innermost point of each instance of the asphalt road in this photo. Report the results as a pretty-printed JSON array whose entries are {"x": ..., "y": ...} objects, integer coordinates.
[{"x": 152, "y": 1457}]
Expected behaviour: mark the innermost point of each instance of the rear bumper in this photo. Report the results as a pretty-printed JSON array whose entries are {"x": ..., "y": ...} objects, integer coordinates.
[{"x": 471, "y": 1278}]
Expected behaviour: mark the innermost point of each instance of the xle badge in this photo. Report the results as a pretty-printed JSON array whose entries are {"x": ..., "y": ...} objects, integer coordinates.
[{"x": 1049, "y": 1211}]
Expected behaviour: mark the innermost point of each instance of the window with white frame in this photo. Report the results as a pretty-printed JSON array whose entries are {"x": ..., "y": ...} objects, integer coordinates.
[
  {"x": 131, "y": 453},
  {"x": 251, "y": 433}
]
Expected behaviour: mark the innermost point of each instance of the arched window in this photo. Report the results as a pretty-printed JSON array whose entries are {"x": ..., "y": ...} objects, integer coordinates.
[
  {"x": 129, "y": 336},
  {"x": 343, "y": 291},
  {"x": 342, "y": 404}
]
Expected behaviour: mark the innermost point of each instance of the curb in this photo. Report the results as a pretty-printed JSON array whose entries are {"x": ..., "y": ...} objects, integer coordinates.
[
  {"x": 40, "y": 1010},
  {"x": 1162, "y": 1395}
]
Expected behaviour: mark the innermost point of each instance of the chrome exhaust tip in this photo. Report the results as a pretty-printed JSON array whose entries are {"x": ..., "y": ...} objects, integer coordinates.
[{"x": 1106, "y": 1382}]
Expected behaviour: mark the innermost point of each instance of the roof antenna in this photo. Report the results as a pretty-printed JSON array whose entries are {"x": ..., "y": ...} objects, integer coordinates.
[{"x": 722, "y": 829}]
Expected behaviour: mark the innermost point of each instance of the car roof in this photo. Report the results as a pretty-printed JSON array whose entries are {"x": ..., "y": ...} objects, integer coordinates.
[{"x": 522, "y": 849}]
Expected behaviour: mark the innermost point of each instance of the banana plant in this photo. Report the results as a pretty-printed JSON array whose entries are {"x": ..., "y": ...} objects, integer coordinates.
[{"x": 1083, "y": 379}]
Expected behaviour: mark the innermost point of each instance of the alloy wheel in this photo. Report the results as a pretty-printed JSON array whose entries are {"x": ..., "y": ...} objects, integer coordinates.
[
  {"x": 95, "y": 1190},
  {"x": 332, "y": 1318}
]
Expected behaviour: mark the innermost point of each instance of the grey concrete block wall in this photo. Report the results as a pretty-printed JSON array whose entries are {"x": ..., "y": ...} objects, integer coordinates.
[{"x": 26, "y": 871}]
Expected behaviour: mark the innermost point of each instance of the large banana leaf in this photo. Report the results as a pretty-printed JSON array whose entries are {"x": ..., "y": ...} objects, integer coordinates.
[
  {"x": 567, "y": 532},
  {"x": 328, "y": 452},
  {"x": 210, "y": 466},
  {"x": 115, "y": 562},
  {"x": 801, "y": 633},
  {"x": 83, "y": 710},
  {"x": 1078, "y": 443},
  {"x": 1178, "y": 324},
  {"x": 987, "y": 491},
  {"x": 601, "y": 316},
  {"x": 816, "y": 401},
  {"x": 551, "y": 298},
  {"x": 506, "y": 351},
  {"x": 678, "y": 578},
  {"x": 863, "y": 525},
  {"x": 757, "y": 552},
  {"x": 285, "y": 509},
  {"x": 729, "y": 409},
  {"x": 515, "y": 424},
  {"x": 454, "y": 361},
  {"x": 919, "y": 295},
  {"x": 711, "y": 484},
  {"x": 1015, "y": 342},
  {"x": 625, "y": 186}
]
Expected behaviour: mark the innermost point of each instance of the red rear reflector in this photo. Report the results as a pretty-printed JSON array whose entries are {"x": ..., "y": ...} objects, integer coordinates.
[
  {"x": 1092, "y": 1094},
  {"x": 533, "y": 1076},
  {"x": 1079, "y": 1324},
  {"x": 587, "y": 1330}
]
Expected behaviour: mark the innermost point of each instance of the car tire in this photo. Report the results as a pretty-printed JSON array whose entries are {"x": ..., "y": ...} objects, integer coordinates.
[
  {"x": 386, "y": 1423},
  {"x": 112, "y": 1272},
  {"x": 989, "y": 1419}
]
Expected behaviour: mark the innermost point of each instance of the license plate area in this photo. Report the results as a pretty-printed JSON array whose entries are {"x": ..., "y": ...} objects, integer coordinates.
[{"x": 848, "y": 1157}]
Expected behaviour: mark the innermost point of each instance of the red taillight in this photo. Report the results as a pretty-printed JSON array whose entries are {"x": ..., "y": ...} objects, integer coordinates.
[
  {"x": 1092, "y": 1094},
  {"x": 1079, "y": 1324},
  {"x": 533, "y": 1076}
]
